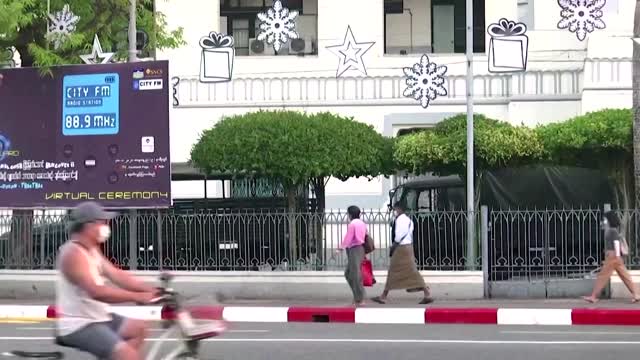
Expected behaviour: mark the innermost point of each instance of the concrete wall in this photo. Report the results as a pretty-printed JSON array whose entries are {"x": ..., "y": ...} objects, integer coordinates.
[
  {"x": 294, "y": 286},
  {"x": 310, "y": 286}
]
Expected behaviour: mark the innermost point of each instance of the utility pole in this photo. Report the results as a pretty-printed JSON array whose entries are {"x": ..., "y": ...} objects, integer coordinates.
[
  {"x": 471, "y": 228},
  {"x": 133, "y": 53},
  {"x": 133, "y": 214},
  {"x": 48, "y": 23},
  {"x": 636, "y": 103}
]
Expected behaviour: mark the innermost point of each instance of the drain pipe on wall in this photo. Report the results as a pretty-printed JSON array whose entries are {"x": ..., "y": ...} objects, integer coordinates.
[{"x": 410, "y": 27}]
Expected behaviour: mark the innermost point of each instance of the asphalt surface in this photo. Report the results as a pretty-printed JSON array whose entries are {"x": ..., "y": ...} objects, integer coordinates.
[
  {"x": 379, "y": 342},
  {"x": 497, "y": 303}
]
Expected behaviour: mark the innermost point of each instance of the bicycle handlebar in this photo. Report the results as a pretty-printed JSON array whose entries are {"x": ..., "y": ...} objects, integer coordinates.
[
  {"x": 160, "y": 299},
  {"x": 166, "y": 295}
]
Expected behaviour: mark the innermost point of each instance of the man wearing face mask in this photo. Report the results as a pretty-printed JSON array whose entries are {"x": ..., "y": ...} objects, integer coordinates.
[{"x": 85, "y": 320}]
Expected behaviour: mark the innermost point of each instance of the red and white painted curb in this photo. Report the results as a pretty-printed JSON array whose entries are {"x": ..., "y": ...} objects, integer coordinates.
[{"x": 364, "y": 315}]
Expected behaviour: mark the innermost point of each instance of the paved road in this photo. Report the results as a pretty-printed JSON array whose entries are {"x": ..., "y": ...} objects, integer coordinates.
[
  {"x": 497, "y": 303},
  {"x": 382, "y": 342}
]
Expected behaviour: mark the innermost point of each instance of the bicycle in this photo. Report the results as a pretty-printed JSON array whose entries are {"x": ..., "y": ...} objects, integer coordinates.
[{"x": 190, "y": 333}]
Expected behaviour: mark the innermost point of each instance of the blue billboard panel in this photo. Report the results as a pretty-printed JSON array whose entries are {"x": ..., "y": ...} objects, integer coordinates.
[{"x": 91, "y": 104}]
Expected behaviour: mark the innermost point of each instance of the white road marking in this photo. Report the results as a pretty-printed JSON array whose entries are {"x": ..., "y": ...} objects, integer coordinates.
[
  {"x": 152, "y": 330},
  {"x": 381, "y": 341},
  {"x": 572, "y": 332}
]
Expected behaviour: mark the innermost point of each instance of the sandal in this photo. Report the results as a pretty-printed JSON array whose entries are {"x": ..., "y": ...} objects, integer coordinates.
[
  {"x": 589, "y": 299},
  {"x": 379, "y": 300},
  {"x": 426, "y": 301}
]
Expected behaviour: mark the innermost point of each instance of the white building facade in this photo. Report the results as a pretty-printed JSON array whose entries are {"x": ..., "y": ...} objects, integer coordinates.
[{"x": 564, "y": 76}]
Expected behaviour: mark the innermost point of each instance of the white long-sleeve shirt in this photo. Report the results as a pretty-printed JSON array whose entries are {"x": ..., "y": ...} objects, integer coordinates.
[{"x": 404, "y": 230}]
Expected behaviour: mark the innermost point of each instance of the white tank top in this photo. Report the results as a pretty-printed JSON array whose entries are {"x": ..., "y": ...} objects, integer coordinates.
[{"x": 75, "y": 308}]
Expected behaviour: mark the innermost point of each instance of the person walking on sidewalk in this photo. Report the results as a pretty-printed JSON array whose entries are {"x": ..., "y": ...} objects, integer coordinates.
[
  {"x": 403, "y": 272},
  {"x": 353, "y": 242},
  {"x": 613, "y": 260}
]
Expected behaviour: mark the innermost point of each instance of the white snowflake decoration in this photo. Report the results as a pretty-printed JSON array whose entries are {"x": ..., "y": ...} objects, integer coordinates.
[
  {"x": 425, "y": 81},
  {"x": 277, "y": 25},
  {"x": 581, "y": 16},
  {"x": 62, "y": 25}
]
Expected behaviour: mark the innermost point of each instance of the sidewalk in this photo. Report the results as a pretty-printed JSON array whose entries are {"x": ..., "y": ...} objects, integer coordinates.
[{"x": 487, "y": 312}]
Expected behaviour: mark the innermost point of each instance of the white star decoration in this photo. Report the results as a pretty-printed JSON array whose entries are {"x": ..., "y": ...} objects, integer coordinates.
[
  {"x": 97, "y": 53},
  {"x": 350, "y": 53}
]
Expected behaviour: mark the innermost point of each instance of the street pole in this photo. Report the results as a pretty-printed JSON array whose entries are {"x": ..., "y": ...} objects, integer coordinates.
[
  {"x": 133, "y": 53},
  {"x": 471, "y": 233},
  {"x": 133, "y": 57},
  {"x": 48, "y": 23}
]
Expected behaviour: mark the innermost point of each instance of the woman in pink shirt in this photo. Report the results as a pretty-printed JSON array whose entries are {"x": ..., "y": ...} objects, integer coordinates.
[{"x": 353, "y": 242}]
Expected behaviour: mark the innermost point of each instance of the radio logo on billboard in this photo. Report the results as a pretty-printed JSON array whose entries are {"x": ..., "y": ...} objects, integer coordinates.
[
  {"x": 138, "y": 73},
  {"x": 5, "y": 148},
  {"x": 10, "y": 153},
  {"x": 153, "y": 72},
  {"x": 150, "y": 84}
]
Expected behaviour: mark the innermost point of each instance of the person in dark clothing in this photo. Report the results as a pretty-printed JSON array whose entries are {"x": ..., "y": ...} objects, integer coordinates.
[{"x": 613, "y": 260}]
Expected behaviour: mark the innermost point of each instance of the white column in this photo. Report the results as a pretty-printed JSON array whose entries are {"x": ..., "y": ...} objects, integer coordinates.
[
  {"x": 546, "y": 15},
  {"x": 197, "y": 18},
  {"x": 494, "y": 10}
]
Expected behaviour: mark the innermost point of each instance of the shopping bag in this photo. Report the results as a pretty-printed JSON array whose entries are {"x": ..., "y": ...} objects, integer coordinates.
[
  {"x": 366, "y": 268},
  {"x": 624, "y": 246},
  {"x": 369, "y": 246}
]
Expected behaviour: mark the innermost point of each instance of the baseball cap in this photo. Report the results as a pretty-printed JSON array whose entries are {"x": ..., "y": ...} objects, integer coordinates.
[{"x": 90, "y": 211}]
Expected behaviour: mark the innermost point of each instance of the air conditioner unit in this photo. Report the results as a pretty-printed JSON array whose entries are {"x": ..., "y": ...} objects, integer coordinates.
[
  {"x": 301, "y": 46},
  {"x": 260, "y": 48}
]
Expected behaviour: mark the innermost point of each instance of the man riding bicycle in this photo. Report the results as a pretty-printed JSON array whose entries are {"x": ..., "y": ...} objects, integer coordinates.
[{"x": 85, "y": 320}]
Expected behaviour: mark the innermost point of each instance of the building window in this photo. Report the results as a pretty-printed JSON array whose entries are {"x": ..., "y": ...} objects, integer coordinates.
[
  {"x": 525, "y": 13},
  {"x": 239, "y": 19},
  {"x": 431, "y": 26}
]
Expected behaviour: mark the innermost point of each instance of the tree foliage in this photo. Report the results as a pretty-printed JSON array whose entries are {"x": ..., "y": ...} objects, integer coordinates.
[
  {"x": 442, "y": 149},
  {"x": 599, "y": 140},
  {"x": 592, "y": 140},
  {"x": 23, "y": 24},
  {"x": 293, "y": 147}
]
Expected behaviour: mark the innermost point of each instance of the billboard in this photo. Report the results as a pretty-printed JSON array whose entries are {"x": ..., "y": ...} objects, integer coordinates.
[{"x": 89, "y": 132}]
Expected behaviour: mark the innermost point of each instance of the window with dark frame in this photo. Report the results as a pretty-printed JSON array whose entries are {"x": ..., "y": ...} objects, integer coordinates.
[
  {"x": 459, "y": 37},
  {"x": 403, "y": 8},
  {"x": 243, "y": 24}
]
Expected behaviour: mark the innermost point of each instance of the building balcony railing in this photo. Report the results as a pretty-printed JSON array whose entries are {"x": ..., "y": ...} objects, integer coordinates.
[
  {"x": 381, "y": 90},
  {"x": 297, "y": 90}
]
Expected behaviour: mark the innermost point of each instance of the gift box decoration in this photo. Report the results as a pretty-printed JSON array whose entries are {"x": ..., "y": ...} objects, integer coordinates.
[
  {"x": 216, "y": 63},
  {"x": 508, "y": 47}
]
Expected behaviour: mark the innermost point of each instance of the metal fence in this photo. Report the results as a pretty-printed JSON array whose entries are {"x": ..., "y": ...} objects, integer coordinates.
[
  {"x": 519, "y": 245},
  {"x": 539, "y": 245},
  {"x": 275, "y": 241}
]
